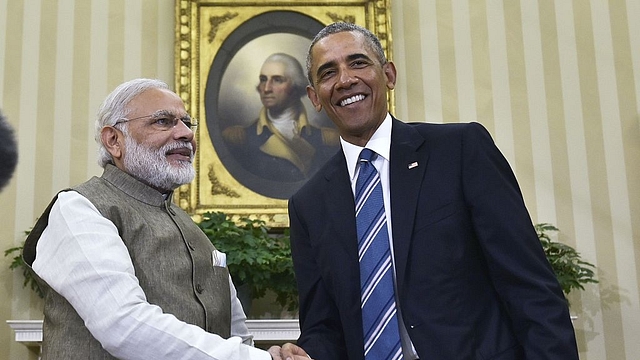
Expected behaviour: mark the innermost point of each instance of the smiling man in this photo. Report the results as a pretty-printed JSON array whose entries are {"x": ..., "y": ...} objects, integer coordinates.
[
  {"x": 126, "y": 273},
  {"x": 414, "y": 242}
]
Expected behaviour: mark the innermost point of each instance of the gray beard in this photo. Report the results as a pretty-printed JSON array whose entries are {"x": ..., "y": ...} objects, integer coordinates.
[{"x": 152, "y": 167}]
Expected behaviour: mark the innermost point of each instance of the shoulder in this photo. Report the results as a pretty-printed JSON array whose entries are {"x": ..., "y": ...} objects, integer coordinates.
[
  {"x": 321, "y": 135},
  {"x": 236, "y": 135},
  {"x": 96, "y": 189},
  {"x": 330, "y": 136},
  {"x": 334, "y": 169},
  {"x": 441, "y": 127},
  {"x": 440, "y": 131}
]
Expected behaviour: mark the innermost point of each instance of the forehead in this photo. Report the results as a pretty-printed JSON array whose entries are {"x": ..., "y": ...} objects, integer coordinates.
[
  {"x": 339, "y": 46},
  {"x": 272, "y": 68},
  {"x": 152, "y": 100}
]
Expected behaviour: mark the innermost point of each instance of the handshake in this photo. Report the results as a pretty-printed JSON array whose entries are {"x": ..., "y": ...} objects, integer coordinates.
[{"x": 288, "y": 351}]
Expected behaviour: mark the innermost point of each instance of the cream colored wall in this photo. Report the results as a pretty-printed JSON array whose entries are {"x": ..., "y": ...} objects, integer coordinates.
[
  {"x": 58, "y": 60},
  {"x": 557, "y": 83}
]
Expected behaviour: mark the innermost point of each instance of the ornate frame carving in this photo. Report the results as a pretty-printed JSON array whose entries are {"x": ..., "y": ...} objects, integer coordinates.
[{"x": 207, "y": 34}]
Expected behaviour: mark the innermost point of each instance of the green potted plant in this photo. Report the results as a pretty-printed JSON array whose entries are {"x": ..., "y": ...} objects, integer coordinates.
[
  {"x": 257, "y": 259},
  {"x": 571, "y": 271}
]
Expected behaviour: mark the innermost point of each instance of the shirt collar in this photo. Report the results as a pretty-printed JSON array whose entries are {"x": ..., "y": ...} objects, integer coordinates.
[
  {"x": 380, "y": 142},
  {"x": 300, "y": 117},
  {"x": 134, "y": 187}
]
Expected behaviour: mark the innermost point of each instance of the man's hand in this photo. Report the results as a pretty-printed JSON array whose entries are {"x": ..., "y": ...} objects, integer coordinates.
[
  {"x": 274, "y": 351},
  {"x": 288, "y": 351}
]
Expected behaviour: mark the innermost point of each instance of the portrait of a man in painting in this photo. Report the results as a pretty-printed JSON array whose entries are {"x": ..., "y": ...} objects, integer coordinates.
[{"x": 262, "y": 125}]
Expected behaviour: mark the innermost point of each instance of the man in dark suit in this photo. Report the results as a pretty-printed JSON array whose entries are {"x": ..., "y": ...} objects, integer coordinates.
[{"x": 470, "y": 277}]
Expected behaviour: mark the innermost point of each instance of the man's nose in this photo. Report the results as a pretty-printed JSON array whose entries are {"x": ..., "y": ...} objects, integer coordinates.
[
  {"x": 182, "y": 131},
  {"x": 346, "y": 78},
  {"x": 268, "y": 85}
]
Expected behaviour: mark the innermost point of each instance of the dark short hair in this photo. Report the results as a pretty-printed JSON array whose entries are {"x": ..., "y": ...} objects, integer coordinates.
[
  {"x": 338, "y": 27},
  {"x": 8, "y": 152}
]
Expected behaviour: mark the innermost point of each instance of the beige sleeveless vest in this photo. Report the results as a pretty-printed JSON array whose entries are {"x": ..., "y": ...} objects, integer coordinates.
[{"x": 172, "y": 258}]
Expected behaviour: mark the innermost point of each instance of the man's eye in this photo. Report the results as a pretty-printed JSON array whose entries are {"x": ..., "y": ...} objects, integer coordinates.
[
  {"x": 326, "y": 74},
  {"x": 164, "y": 122}
]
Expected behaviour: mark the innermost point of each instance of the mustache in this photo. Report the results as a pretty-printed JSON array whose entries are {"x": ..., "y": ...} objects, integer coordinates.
[{"x": 175, "y": 146}]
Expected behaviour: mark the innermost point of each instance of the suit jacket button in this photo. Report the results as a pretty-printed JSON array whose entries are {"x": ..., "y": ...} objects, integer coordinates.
[{"x": 199, "y": 288}]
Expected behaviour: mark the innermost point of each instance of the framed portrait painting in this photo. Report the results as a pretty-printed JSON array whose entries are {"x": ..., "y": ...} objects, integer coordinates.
[{"x": 240, "y": 69}]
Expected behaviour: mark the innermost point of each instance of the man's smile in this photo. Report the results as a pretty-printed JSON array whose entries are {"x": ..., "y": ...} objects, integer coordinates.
[
  {"x": 352, "y": 99},
  {"x": 183, "y": 153}
]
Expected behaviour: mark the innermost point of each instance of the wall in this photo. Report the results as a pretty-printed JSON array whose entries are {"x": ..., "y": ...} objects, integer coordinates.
[
  {"x": 58, "y": 61},
  {"x": 557, "y": 83}
]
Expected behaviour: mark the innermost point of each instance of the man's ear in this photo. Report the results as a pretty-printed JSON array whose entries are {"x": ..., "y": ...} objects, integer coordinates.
[
  {"x": 390, "y": 71},
  {"x": 313, "y": 96},
  {"x": 113, "y": 141}
]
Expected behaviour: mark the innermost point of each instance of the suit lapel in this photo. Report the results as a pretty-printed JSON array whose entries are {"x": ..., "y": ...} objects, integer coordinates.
[
  {"x": 340, "y": 200},
  {"x": 407, "y": 165},
  {"x": 407, "y": 149},
  {"x": 341, "y": 238}
]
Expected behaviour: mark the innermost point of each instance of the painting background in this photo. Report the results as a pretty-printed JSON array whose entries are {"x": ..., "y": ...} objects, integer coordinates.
[
  {"x": 239, "y": 102},
  {"x": 231, "y": 98}
]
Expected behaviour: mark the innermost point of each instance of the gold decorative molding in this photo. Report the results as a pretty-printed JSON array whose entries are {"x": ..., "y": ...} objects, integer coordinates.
[{"x": 209, "y": 34}]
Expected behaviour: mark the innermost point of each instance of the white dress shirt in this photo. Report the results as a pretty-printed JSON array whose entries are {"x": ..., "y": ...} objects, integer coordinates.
[
  {"x": 380, "y": 142},
  {"x": 82, "y": 257}
]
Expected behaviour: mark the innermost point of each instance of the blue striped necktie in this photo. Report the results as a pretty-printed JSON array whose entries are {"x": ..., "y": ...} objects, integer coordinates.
[{"x": 379, "y": 319}]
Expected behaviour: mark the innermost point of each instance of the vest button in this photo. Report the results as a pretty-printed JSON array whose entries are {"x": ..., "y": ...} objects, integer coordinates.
[{"x": 199, "y": 288}]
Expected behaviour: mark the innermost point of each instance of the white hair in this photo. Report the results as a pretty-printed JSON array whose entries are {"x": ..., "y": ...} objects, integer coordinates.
[{"x": 115, "y": 108}]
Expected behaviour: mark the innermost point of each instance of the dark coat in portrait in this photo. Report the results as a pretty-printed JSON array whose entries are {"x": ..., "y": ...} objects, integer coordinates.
[{"x": 263, "y": 151}]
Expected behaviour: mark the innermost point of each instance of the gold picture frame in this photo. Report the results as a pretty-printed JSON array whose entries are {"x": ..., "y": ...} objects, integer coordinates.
[{"x": 218, "y": 44}]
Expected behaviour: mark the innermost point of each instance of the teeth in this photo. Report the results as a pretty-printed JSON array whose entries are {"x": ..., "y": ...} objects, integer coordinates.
[{"x": 351, "y": 100}]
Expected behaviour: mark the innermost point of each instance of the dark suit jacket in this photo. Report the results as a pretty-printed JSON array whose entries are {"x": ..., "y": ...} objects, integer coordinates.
[{"x": 473, "y": 281}]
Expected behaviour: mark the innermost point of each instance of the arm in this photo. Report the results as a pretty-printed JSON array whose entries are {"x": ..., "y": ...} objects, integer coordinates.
[
  {"x": 517, "y": 265},
  {"x": 321, "y": 330},
  {"x": 81, "y": 256},
  {"x": 238, "y": 317}
]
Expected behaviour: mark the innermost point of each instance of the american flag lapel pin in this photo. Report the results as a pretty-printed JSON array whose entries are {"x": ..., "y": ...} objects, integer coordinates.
[{"x": 413, "y": 165}]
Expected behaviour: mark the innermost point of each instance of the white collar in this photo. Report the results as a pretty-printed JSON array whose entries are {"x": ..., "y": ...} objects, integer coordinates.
[{"x": 380, "y": 142}]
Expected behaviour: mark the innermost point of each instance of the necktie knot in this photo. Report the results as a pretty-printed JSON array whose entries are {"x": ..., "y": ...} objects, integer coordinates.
[
  {"x": 368, "y": 155},
  {"x": 368, "y": 175}
]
